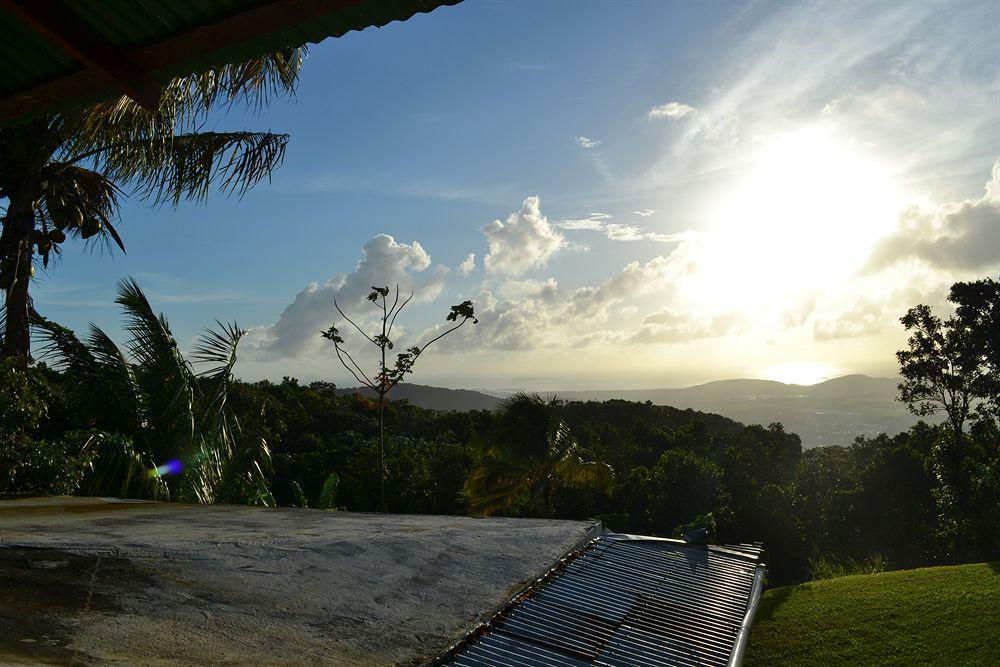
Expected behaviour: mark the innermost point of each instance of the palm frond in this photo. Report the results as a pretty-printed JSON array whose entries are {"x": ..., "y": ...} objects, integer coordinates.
[
  {"x": 587, "y": 475},
  {"x": 228, "y": 469},
  {"x": 185, "y": 166},
  {"x": 185, "y": 102},
  {"x": 165, "y": 376},
  {"x": 60, "y": 347},
  {"x": 118, "y": 378},
  {"x": 217, "y": 347},
  {"x": 121, "y": 470},
  {"x": 498, "y": 482}
]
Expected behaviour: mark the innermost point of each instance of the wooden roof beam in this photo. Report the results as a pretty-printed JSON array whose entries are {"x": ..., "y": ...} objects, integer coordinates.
[{"x": 50, "y": 21}]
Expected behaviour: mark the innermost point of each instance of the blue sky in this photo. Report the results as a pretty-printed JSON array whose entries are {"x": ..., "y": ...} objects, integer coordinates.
[{"x": 685, "y": 192}]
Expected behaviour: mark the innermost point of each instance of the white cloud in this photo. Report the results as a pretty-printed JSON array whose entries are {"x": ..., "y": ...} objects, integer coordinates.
[
  {"x": 961, "y": 236},
  {"x": 587, "y": 142},
  {"x": 616, "y": 231},
  {"x": 645, "y": 213},
  {"x": 674, "y": 326},
  {"x": 468, "y": 265},
  {"x": 863, "y": 318},
  {"x": 592, "y": 224},
  {"x": 536, "y": 314},
  {"x": 524, "y": 241},
  {"x": 671, "y": 110},
  {"x": 384, "y": 262}
]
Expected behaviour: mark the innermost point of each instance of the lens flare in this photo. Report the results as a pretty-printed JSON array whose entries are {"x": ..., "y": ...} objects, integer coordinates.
[{"x": 171, "y": 467}]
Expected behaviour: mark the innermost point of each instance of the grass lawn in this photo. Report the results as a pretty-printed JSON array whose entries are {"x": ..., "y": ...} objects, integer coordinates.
[{"x": 935, "y": 615}]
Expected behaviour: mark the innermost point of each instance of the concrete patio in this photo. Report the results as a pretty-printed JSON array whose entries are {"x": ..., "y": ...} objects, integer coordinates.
[{"x": 104, "y": 581}]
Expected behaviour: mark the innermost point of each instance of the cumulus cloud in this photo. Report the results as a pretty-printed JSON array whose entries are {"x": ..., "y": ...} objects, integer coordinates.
[
  {"x": 587, "y": 142},
  {"x": 645, "y": 213},
  {"x": 535, "y": 314},
  {"x": 961, "y": 236},
  {"x": 384, "y": 262},
  {"x": 524, "y": 241},
  {"x": 468, "y": 265},
  {"x": 674, "y": 326},
  {"x": 671, "y": 110}
]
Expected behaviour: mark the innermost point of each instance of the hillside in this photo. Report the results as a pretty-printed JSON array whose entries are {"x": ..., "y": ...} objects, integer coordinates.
[
  {"x": 938, "y": 615},
  {"x": 833, "y": 412},
  {"x": 435, "y": 398}
]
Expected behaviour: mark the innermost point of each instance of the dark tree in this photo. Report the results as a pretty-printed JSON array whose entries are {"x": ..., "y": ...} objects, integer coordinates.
[
  {"x": 940, "y": 368},
  {"x": 977, "y": 315}
]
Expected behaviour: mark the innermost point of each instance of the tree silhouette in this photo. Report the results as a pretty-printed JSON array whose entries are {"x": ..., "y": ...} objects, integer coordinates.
[
  {"x": 951, "y": 365},
  {"x": 387, "y": 377},
  {"x": 63, "y": 175}
]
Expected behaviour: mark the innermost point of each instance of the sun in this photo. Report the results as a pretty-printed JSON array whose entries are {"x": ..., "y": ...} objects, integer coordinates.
[
  {"x": 805, "y": 373},
  {"x": 802, "y": 219}
]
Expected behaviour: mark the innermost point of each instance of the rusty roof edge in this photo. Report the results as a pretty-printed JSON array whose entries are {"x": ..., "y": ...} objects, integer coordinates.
[{"x": 596, "y": 532}]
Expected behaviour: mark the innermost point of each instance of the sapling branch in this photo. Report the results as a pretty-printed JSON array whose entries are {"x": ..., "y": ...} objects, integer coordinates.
[{"x": 387, "y": 378}]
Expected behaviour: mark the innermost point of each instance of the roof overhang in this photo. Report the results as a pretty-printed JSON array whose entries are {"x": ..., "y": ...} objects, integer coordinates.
[{"x": 57, "y": 54}]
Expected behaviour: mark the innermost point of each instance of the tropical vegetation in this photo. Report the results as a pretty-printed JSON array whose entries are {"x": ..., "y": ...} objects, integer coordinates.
[
  {"x": 154, "y": 427},
  {"x": 927, "y": 496}
]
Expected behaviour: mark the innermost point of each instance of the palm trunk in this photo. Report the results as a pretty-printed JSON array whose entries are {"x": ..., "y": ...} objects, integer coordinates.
[{"x": 18, "y": 249}]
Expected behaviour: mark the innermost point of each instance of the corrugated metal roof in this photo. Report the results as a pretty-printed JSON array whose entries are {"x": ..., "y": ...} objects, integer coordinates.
[
  {"x": 626, "y": 600},
  {"x": 34, "y": 71}
]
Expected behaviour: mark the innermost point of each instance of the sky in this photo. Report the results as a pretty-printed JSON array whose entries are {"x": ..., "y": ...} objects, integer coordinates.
[{"x": 633, "y": 195}]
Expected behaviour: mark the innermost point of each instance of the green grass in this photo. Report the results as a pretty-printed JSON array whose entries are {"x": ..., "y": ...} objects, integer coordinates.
[{"x": 935, "y": 615}]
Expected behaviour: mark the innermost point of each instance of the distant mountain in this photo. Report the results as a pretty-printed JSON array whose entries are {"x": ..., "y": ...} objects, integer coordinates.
[
  {"x": 435, "y": 398},
  {"x": 833, "y": 412}
]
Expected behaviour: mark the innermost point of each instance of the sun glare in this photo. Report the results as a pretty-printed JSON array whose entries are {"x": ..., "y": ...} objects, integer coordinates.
[
  {"x": 800, "y": 373},
  {"x": 804, "y": 217}
]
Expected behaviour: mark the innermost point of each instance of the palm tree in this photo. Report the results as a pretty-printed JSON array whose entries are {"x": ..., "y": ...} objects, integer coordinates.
[
  {"x": 161, "y": 429},
  {"x": 62, "y": 175},
  {"x": 528, "y": 458}
]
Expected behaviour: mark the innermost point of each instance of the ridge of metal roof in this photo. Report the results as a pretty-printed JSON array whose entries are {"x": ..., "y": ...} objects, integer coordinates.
[
  {"x": 57, "y": 54},
  {"x": 626, "y": 600}
]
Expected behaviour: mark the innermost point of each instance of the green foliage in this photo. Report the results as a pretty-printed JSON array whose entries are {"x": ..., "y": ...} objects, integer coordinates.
[
  {"x": 931, "y": 616},
  {"x": 163, "y": 412},
  {"x": 702, "y": 521},
  {"x": 28, "y": 462},
  {"x": 328, "y": 495},
  {"x": 829, "y": 567},
  {"x": 529, "y": 458}
]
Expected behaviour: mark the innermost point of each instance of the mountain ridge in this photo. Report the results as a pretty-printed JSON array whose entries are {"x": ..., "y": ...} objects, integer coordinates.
[{"x": 832, "y": 412}]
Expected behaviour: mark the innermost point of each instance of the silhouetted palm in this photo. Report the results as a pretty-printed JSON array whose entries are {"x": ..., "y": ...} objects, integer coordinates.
[
  {"x": 62, "y": 174},
  {"x": 530, "y": 456},
  {"x": 155, "y": 409}
]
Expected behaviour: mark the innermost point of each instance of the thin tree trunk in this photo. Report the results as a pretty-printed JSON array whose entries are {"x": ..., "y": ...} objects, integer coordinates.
[
  {"x": 381, "y": 447},
  {"x": 18, "y": 249}
]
